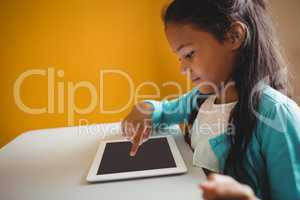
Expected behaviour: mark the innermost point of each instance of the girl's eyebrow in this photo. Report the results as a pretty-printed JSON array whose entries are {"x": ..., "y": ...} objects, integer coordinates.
[{"x": 183, "y": 45}]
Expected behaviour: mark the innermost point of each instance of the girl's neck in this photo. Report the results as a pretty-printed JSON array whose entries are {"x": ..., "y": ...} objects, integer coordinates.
[{"x": 227, "y": 94}]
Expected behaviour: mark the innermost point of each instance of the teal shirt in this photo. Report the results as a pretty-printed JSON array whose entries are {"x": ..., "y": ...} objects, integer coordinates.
[{"x": 273, "y": 156}]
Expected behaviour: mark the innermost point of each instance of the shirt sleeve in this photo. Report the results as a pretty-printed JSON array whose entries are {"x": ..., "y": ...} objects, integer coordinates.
[
  {"x": 281, "y": 150},
  {"x": 168, "y": 112}
]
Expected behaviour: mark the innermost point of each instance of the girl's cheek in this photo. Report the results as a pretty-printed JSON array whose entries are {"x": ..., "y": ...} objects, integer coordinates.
[{"x": 205, "y": 70}]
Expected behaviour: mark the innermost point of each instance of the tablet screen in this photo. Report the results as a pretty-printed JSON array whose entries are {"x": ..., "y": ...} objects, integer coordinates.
[{"x": 153, "y": 154}]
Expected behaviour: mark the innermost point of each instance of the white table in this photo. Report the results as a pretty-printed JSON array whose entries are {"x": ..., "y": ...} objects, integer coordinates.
[{"x": 53, "y": 164}]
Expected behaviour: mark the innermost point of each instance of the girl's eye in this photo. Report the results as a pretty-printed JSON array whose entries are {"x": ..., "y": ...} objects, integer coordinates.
[{"x": 190, "y": 55}]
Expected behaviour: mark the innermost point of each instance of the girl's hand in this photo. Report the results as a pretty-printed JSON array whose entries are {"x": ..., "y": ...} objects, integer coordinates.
[
  {"x": 137, "y": 126},
  {"x": 220, "y": 187}
]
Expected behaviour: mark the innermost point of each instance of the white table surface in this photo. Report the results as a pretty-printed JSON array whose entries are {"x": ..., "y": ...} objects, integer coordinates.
[{"x": 53, "y": 164}]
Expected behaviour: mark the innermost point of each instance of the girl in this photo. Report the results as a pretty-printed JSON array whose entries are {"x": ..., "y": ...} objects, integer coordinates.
[{"x": 243, "y": 124}]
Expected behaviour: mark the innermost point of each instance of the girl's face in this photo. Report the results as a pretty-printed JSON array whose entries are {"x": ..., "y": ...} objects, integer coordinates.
[{"x": 208, "y": 61}]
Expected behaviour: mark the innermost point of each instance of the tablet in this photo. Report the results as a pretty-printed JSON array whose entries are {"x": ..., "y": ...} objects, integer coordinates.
[{"x": 156, "y": 157}]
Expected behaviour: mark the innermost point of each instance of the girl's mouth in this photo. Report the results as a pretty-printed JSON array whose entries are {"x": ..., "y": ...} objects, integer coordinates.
[{"x": 196, "y": 80}]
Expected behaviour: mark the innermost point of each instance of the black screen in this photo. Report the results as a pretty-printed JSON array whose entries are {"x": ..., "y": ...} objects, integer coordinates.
[{"x": 153, "y": 154}]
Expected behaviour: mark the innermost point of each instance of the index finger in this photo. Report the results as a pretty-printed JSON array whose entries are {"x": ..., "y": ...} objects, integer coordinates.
[{"x": 135, "y": 143}]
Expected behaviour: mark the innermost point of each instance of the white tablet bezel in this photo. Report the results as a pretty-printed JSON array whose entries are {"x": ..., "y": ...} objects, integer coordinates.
[{"x": 179, "y": 169}]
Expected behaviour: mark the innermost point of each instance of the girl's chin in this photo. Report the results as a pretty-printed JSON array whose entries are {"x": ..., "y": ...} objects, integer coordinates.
[{"x": 205, "y": 89}]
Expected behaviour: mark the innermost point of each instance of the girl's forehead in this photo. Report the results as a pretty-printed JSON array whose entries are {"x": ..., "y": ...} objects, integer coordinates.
[
  {"x": 180, "y": 34},
  {"x": 178, "y": 31},
  {"x": 177, "y": 35}
]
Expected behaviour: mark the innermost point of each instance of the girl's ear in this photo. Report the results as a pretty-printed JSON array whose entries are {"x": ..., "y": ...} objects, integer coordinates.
[{"x": 236, "y": 35}]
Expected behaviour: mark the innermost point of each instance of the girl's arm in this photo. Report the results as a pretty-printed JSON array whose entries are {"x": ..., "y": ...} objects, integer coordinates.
[
  {"x": 174, "y": 111},
  {"x": 281, "y": 149}
]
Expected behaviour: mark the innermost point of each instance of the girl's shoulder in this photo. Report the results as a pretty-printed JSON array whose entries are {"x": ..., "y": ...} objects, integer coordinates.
[
  {"x": 272, "y": 99},
  {"x": 277, "y": 114}
]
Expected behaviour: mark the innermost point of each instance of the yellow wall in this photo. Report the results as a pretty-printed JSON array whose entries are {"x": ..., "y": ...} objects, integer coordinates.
[{"x": 79, "y": 38}]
